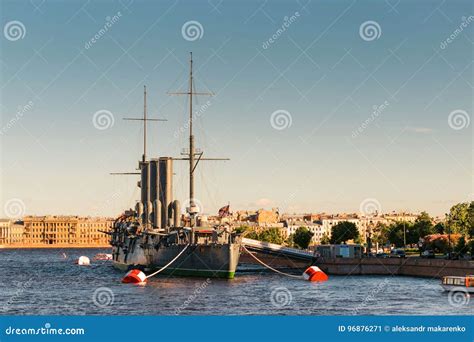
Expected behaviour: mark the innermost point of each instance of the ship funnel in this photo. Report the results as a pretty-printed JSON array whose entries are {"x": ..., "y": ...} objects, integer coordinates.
[
  {"x": 145, "y": 182},
  {"x": 145, "y": 193},
  {"x": 176, "y": 213},
  {"x": 149, "y": 213},
  {"x": 154, "y": 180},
  {"x": 166, "y": 189},
  {"x": 156, "y": 213},
  {"x": 139, "y": 210}
]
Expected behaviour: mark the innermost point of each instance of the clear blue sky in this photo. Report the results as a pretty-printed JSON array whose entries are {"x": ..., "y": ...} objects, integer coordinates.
[{"x": 320, "y": 70}]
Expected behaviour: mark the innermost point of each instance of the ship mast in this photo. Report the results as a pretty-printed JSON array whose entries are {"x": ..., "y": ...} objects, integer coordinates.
[
  {"x": 143, "y": 165},
  {"x": 144, "y": 124},
  {"x": 192, "y": 153},
  {"x": 145, "y": 120},
  {"x": 191, "y": 144}
]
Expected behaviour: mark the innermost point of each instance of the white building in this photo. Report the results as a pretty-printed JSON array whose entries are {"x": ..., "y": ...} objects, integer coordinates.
[
  {"x": 5, "y": 229},
  {"x": 328, "y": 223},
  {"x": 10, "y": 232},
  {"x": 316, "y": 228}
]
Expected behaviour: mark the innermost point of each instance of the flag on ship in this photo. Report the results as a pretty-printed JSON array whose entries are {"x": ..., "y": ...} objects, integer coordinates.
[{"x": 224, "y": 211}]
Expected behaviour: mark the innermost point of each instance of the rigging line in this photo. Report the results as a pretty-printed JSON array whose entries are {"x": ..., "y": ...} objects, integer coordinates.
[
  {"x": 269, "y": 267},
  {"x": 205, "y": 190},
  {"x": 180, "y": 75},
  {"x": 168, "y": 264},
  {"x": 211, "y": 195}
]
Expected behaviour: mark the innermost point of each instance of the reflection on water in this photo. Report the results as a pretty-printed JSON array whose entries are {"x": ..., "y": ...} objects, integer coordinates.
[{"x": 46, "y": 281}]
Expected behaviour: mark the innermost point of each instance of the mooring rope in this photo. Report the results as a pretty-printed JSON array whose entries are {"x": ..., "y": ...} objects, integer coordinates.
[
  {"x": 269, "y": 267},
  {"x": 168, "y": 264}
]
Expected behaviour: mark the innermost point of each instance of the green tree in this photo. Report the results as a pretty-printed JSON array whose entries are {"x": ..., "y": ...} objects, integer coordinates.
[
  {"x": 439, "y": 244},
  {"x": 470, "y": 247},
  {"x": 439, "y": 228},
  {"x": 302, "y": 237},
  {"x": 397, "y": 232},
  {"x": 241, "y": 229},
  {"x": 246, "y": 231},
  {"x": 272, "y": 235},
  {"x": 470, "y": 219},
  {"x": 458, "y": 219},
  {"x": 423, "y": 226},
  {"x": 380, "y": 233},
  {"x": 325, "y": 239},
  {"x": 461, "y": 247},
  {"x": 344, "y": 231}
]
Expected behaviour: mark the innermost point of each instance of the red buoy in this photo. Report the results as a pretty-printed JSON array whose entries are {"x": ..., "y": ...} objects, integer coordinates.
[
  {"x": 135, "y": 277},
  {"x": 314, "y": 273}
]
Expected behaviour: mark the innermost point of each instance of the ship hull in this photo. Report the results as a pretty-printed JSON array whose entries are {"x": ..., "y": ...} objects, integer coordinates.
[
  {"x": 454, "y": 288},
  {"x": 212, "y": 261}
]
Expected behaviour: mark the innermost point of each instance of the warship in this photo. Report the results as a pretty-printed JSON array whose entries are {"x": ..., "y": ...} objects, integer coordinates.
[{"x": 156, "y": 236}]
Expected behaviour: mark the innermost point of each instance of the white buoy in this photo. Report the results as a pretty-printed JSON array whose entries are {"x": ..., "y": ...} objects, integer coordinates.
[{"x": 83, "y": 261}]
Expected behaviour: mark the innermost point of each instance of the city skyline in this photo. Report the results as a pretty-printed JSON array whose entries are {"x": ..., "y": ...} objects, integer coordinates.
[{"x": 337, "y": 109}]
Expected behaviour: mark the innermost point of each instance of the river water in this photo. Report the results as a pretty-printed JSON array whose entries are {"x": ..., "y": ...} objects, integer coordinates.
[{"x": 47, "y": 282}]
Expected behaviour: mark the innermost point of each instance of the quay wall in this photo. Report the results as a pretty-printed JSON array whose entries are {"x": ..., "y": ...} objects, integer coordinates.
[
  {"x": 433, "y": 268},
  {"x": 411, "y": 266}
]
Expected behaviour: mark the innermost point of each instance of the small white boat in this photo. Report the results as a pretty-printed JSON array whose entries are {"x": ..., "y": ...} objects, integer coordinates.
[
  {"x": 458, "y": 284},
  {"x": 103, "y": 256}
]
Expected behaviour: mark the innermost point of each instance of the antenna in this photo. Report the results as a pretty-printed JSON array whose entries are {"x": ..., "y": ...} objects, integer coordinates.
[
  {"x": 192, "y": 153},
  {"x": 145, "y": 120}
]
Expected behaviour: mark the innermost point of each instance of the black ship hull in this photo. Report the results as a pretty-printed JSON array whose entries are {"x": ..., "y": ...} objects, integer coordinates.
[{"x": 200, "y": 260}]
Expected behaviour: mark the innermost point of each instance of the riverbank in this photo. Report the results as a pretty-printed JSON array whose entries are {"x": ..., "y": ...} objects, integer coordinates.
[
  {"x": 433, "y": 268},
  {"x": 60, "y": 246},
  {"x": 414, "y": 266}
]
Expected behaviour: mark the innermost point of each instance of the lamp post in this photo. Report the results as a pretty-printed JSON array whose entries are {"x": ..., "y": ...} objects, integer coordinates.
[
  {"x": 449, "y": 235},
  {"x": 404, "y": 235}
]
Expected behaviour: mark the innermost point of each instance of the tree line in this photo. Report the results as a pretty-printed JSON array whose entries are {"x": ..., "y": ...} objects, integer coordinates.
[{"x": 456, "y": 230}]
